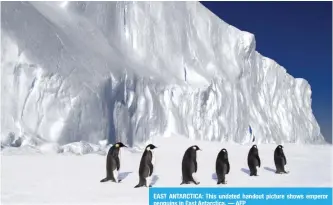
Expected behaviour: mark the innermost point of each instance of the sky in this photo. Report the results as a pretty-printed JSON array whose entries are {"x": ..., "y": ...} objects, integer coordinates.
[{"x": 298, "y": 36}]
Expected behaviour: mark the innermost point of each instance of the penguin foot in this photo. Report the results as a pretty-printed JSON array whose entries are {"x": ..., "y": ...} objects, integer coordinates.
[
  {"x": 184, "y": 183},
  {"x": 282, "y": 172},
  {"x": 196, "y": 183},
  {"x": 137, "y": 186},
  {"x": 105, "y": 180},
  {"x": 113, "y": 180}
]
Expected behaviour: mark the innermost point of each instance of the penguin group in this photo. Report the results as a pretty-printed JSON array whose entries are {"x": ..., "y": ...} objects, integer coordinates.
[
  {"x": 189, "y": 164},
  {"x": 113, "y": 165}
]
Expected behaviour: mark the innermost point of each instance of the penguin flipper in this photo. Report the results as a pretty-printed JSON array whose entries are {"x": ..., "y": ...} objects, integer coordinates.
[
  {"x": 151, "y": 168},
  {"x": 118, "y": 163},
  {"x": 285, "y": 160},
  {"x": 259, "y": 162}
]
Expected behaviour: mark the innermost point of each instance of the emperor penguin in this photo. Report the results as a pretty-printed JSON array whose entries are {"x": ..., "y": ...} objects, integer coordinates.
[
  {"x": 280, "y": 160},
  {"x": 253, "y": 160},
  {"x": 190, "y": 165},
  {"x": 222, "y": 166},
  {"x": 113, "y": 163},
  {"x": 146, "y": 167}
]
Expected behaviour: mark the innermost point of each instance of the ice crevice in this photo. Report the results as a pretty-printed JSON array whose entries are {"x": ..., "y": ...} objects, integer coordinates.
[{"x": 89, "y": 72}]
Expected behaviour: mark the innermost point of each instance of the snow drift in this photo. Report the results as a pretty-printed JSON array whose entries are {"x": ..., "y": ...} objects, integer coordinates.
[{"x": 131, "y": 71}]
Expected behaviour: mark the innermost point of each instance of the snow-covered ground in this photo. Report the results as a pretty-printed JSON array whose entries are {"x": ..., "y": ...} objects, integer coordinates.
[
  {"x": 77, "y": 74},
  {"x": 30, "y": 177}
]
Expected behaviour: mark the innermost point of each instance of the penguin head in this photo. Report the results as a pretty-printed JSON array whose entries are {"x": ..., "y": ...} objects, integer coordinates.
[
  {"x": 150, "y": 147},
  {"x": 254, "y": 149},
  {"x": 279, "y": 149},
  {"x": 224, "y": 153},
  {"x": 196, "y": 148},
  {"x": 119, "y": 145}
]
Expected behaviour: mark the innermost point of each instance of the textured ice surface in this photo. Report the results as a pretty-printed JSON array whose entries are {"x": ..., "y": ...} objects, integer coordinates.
[{"x": 129, "y": 71}]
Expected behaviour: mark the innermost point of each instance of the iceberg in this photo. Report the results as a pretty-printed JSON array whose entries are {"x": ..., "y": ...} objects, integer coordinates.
[{"x": 74, "y": 72}]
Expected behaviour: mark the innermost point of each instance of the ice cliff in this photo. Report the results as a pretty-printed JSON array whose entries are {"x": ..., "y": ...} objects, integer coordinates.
[{"x": 132, "y": 71}]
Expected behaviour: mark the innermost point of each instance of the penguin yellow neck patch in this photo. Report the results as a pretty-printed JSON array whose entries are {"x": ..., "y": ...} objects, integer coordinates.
[
  {"x": 194, "y": 148},
  {"x": 148, "y": 148},
  {"x": 117, "y": 145}
]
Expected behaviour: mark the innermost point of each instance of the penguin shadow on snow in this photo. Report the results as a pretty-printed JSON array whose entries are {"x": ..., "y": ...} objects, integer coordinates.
[
  {"x": 246, "y": 171},
  {"x": 270, "y": 169},
  {"x": 154, "y": 179},
  {"x": 214, "y": 177},
  {"x": 123, "y": 175},
  {"x": 274, "y": 170}
]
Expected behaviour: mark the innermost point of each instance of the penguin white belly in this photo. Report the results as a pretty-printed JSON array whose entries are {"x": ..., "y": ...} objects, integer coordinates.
[
  {"x": 115, "y": 174},
  {"x": 286, "y": 168},
  {"x": 194, "y": 175},
  {"x": 258, "y": 170},
  {"x": 148, "y": 180},
  {"x": 152, "y": 158}
]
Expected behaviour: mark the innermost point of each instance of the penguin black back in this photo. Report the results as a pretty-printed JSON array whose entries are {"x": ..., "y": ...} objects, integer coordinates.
[
  {"x": 113, "y": 162},
  {"x": 146, "y": 167},
  {"x": 190, "y": 165},
  {"x": 222, "y": 166},
  {"x": 253, "y": 160},
  {"x": 280, "y": 160}
]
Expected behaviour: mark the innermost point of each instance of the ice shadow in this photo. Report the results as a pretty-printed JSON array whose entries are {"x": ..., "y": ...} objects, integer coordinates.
[
  {"x": 114, "y": 99},
  {"x": 154, "y": 179},
  {"x": 269, "y": 169},
  {"x": 246, "y": 171},
  {"x": 123, "y": 175}
]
